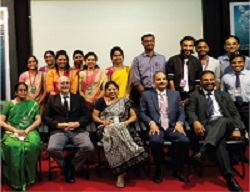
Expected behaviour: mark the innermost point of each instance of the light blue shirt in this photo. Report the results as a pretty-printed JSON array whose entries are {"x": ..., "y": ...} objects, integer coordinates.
[
  {"x": 228, "y": 84},
  {"x": 225, "y": 64},
  {"x": 144, "y": 68}
]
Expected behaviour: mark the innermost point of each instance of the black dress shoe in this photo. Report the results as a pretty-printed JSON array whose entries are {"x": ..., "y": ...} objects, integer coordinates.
[
  {"x": 200, "y": 156},
  {"x": 69, "y": 171},
  {"x": 158, "y": 177},
  {"x": 181, "y": 176},
  {"x": 233, "y": 185}
]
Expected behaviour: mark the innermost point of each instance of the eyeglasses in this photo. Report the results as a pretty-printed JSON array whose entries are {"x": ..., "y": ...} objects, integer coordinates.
[
  {"x": 148, "y": 41},
  {"x": 64, "y": 83}
]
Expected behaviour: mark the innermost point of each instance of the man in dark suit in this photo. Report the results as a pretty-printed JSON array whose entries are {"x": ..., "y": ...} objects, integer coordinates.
[
  {"x": 213, "y": 114},
  {"x": 66, "y": 116},
  {"x": 161, "y": 109}
]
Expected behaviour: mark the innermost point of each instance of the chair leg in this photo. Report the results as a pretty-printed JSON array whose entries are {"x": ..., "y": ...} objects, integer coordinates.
[
  {"x": 50, "y": 168},
  {"x": 40, "y": 168}
]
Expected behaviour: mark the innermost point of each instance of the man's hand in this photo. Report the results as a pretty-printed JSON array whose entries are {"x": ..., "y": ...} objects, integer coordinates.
[
  {"x": 72, "y": 126},
  {"x": 179, "y": 128},
  {"x": 154, "y": 129},
  {"x": 185, "y": 102},
  {"x": 199, "y": 129}
]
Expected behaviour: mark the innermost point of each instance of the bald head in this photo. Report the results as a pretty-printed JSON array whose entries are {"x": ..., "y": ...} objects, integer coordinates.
[{"x": 63, "y": 85}]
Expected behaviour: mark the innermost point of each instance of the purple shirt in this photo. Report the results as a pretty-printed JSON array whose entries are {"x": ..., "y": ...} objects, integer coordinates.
[{"x": 144, "y": 68}]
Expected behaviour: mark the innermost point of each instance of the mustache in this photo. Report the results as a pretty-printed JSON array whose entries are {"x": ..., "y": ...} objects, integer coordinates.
[
  {"x": 191, "y": 51},
  {"x": 162, "y": 83}
]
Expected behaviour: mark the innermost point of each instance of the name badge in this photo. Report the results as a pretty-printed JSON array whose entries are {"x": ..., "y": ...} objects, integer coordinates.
[
  {"x": 116, "y": 119},
  {"x": 33, "y": 89},
  {"x": 25, "y": 120},
  {"x": 237, "y": 92},
  {"x": 182, "y": 83},
  {"x": 89, "y": 90}
]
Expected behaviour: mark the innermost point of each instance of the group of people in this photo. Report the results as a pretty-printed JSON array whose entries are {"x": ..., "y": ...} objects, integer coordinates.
[{"x": 212, "y": 95}]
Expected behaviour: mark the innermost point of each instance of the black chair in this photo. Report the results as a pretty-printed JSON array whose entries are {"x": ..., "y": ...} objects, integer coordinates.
[{"x": 70, "y": 148}]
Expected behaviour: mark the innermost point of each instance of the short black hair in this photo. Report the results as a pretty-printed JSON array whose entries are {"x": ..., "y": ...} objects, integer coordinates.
[
  {"x": 111, "y": 83},
  {"x": 59, "y": 53},
  {"x": 233, "y": 56},
  {"x": 206, "y": 72},
  {"x": 20, "y": 83},
  {"x": 157, "y": 73},
  {"x": 232, "y": 36},
  {"x": 78, "y": 52},
  {"x": 187, "y": 38},
  {"x": 199, "y": 41},
  {"x": 147, "y": 35}
]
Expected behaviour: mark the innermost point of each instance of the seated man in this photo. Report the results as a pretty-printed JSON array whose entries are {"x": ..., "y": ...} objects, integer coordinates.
[
  {"x": 161, "y": 109},
  {"x": 66, "y": 116},
  {"x": 212, "y": 114}
]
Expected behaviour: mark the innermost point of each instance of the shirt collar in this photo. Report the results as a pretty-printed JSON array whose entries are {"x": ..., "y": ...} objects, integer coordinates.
[
  {"x": 206, "y": 92},
  {"x": 62, "y": 96},
  {"x": 161, "y": 93},
  {"x": 146, "y": 55}
]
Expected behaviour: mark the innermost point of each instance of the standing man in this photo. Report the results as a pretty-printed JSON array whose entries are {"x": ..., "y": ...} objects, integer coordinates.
[
  {"x": 183, "y": 70},
  {"x": 212, "y": 115},
  {"x": 67, "y": 116},
  {"x": 237, "y": 84},
  {"x": 78, "y": 57},
  {"x": 231, "y": 46},
  {"x": 207, "y": 62},
  {"x": 161, "y": 109},
  {"x": 144, "y": 67}
]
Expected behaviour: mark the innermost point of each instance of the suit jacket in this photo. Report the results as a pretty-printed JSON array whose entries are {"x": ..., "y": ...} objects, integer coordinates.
[
  {"x": 150, "y": 111},
  {"x": 54, "y": 112},
  {"x": 197, "y": 109}
]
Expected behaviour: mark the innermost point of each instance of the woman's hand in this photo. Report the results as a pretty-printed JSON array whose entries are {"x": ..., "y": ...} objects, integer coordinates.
[
  {"x": 106, "y": 122},
  {"x": 126, "y": 123},
  {"x": 20, "y": 132}
]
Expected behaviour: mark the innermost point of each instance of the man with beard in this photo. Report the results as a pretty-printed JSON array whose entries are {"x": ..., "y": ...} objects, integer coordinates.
[
  {"x": 207, "y": 62},
  {"x": 213, "y": 115},
  {"x": 78, "y": 57},
  {"x": 231, "y": 46},
  {"x": 183, "y": 70},
  {"x": 67, "y": 116},
  {"x": 236, "y": 83},
  {"x": 161, "y": 109},
  {"x": 144, "y": 67}
]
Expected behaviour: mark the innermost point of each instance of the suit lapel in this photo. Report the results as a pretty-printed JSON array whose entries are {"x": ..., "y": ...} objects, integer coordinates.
[
  {"x": 155, "y": 101},
  {"x": 204, "y": 101},
  {"x": 170, "y": 98}
]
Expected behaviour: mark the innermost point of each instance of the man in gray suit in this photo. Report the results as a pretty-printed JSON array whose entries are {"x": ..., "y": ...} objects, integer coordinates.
[
  {"x": 67, "y": 116},
  {"x": 213, "y": 114},
  {"x": 162, "y": 111}
]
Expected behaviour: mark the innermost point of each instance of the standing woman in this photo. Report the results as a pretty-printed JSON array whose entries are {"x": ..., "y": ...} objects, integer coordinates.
[
  {"x": 35, "y": 80},
  {"x": 62, "y": 68},
  {"x": 92, "y": 80},
  {"x": 119, "y": 73},
  {"x": 49, "y": 57},
  {"x": 20, "y": 145}
]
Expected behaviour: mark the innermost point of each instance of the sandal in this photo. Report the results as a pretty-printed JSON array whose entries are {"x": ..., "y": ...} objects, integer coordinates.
[{"x": 120, "y": 181}]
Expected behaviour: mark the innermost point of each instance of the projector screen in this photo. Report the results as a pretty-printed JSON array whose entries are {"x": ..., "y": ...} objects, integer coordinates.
[{"x": 99, "y": 25}]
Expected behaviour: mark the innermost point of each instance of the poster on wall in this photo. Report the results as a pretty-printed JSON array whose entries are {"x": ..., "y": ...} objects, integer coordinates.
[
  {"x": 4, "y": 55},
  {"x": 240, "y": 22}
]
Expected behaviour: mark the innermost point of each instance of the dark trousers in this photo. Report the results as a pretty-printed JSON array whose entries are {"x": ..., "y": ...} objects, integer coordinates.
[
  {"x": 215, "y": 140},
  {"x": 244, "y": 114},
  {"x": 181, "y": 146}
]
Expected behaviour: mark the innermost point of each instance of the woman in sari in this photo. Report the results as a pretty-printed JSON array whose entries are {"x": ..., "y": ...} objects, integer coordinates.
[
  {"x": 21, "y": 141},
  {"x": 62, "y": 68},
  {"x": 122, "y": 145},
  {"x": 49, "y": 57},
  {"x": 91, "y": 80},
  {"x": 119, "y": 73},
  {"x": 35, "y": 81}
]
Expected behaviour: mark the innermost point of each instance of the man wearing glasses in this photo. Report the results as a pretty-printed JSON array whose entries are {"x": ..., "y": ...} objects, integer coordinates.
[{"x": 67, "y": 116}]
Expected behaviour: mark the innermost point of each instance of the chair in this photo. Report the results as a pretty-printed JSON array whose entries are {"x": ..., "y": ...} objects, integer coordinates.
[{"x": 70, "y": 148}]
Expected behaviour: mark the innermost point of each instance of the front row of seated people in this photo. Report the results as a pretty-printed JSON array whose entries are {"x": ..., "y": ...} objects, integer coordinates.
[{"x": 67, "y": 116}]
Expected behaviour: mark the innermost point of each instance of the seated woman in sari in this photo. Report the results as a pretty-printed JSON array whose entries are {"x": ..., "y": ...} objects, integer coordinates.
[
  {"x": 21, "y": 141},
  {"x": 62, "y": 68},
  {"x": 122, "y": 144},
  {"x": 91, "y": 80},
  {"x": 120, "y": 73}
]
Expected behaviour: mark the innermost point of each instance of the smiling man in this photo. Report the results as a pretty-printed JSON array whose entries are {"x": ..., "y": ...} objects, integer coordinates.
[
  {"x": 236, "y": 83},
  {"x": 213, "y": 115},
  {"x": 162, "y": 111},
  {"x": 183, "y": 70}
]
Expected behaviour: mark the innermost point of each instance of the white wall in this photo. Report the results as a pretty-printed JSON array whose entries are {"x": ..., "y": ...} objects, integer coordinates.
[{"x": 98, "y": 25}]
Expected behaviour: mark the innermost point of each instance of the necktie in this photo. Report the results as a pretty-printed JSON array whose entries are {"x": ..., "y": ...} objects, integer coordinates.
[
  {"x": 238, "y": 98},
  {"x": 164, "y": 112},
  {"x": 186, "y": 88},
  {"x": 210, "y": 106},
  {"x": 66, "y": 106}
]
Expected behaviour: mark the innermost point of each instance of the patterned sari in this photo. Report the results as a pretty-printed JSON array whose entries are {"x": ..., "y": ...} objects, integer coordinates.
[
  {"x": 121, "y": 150},
  {"x": 19, "y": 157}
]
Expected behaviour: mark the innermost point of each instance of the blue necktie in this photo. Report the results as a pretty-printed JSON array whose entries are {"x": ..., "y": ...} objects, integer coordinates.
[
  {"x": 210, "y": 106},
  {"x": 238, "y": 99}
]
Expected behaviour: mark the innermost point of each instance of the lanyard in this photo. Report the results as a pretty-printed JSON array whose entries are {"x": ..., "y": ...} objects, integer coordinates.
[
  {"x": 33, "y": 80},
  {"x": 206, "y": 65}
]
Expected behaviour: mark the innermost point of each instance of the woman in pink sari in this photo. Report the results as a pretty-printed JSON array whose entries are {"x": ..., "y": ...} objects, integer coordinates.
[{"x": 91, "y": 80}]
